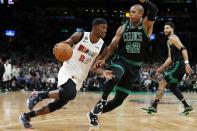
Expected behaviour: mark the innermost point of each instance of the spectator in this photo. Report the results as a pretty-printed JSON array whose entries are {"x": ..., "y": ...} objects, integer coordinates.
[{"x": 2, "y": 70}]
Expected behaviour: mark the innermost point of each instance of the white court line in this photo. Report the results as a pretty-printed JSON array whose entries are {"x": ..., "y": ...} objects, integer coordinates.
[{"x": 71, "y": 118}]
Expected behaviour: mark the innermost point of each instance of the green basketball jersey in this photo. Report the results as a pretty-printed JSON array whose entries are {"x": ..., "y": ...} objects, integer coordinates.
[{"x": 133, "y": 43}]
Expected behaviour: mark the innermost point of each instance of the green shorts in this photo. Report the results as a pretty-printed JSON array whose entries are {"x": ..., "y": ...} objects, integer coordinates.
[
  {"x": 131, "y": 75},
  {"x": 175, "y": 73}
]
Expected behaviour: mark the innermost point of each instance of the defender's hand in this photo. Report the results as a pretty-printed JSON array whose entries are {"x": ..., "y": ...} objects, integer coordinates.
[
  {"x": 99, "y": 63},
  {"x": 108, "y": 74}
]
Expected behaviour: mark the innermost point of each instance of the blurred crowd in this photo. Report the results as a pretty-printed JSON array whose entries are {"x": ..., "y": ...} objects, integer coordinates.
[
  {"x": 29, "y": 76},
  {"x": 38, "y": 28},
  {"x": 37, "y": 75}
]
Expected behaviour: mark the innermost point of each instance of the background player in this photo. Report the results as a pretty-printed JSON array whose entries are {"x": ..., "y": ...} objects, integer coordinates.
[{"x": 178, "y": 56}]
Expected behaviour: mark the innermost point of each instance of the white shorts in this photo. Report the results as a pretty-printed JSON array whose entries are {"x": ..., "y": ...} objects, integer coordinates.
[
  {"x": 63, "y": 77},
  {"x": 7, "y": 77}
]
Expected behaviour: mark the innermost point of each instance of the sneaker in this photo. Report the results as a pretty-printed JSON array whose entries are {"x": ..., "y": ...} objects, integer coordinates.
[
  {"x": 187, "y": 110},
  {"x": 33, "y": 100},
  {"x": 150, "y": 110},
  {"x": 25, "y": 121},
  {"x": 93, "y": 120},
  {"x": 99, "y": 107}
]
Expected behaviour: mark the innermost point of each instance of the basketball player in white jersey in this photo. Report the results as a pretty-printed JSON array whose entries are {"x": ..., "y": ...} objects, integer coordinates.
[
  {"x": 73, "y": 72},
  {"x": 7, "y": 76}
]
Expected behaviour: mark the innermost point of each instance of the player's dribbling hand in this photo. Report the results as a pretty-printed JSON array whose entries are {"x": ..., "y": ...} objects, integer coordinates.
[
  {"x": 188, "y": 69},
  {"x": 108, "y": 74}
]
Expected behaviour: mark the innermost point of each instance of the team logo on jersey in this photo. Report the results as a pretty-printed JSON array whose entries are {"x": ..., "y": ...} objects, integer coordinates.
[
  {"x": 87, "y": 51},
  {"x": 83, "y": 49},
  {"x": 132, "y": 36},
  {"x": 127, "y": 28},
  {"x": 86, "y": 38}
]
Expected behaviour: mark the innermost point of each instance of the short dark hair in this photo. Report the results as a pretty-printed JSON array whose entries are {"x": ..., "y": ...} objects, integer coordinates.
[
  {"x": 171, "y": 24},
  {"x": 98, "y": 21}
]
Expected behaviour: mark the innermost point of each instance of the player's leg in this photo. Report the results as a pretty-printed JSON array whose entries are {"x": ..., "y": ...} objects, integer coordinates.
[
  {"x": 120, "y": 96},
  {"x": 36, "y": 96},
  {"x": 118, "y": 72},
  {"x": 66, "y": 93},
  {"x": 173, "y": 88},
  {"x": 122, "y": 91},
  {"x": 175, "y": 78},
  {"x": 159, "y": 95}
]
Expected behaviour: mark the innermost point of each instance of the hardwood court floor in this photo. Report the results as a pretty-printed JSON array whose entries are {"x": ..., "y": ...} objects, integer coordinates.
[{"x": 127, "y": 117}]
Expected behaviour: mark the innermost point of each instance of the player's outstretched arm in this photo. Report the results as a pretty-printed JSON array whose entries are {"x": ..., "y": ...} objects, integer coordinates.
[
  {"x": 149, "y": 20},
  {"x": 114, "y": 43},
  {"x": 100, "y": 61}
]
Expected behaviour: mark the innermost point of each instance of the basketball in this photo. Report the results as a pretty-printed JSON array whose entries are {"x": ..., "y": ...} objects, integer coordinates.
[{"x": 62, "y": 51}]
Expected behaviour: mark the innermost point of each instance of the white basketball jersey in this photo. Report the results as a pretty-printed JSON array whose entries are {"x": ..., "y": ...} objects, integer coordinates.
[
  {"x": 84, "y": 54},
  {"x": 8, "y": 72}
]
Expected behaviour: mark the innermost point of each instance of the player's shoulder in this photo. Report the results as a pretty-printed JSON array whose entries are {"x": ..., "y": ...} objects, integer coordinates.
[
  {"x": 173, "y": 37},
  {"x": 120, "y": 30},
  {"x": 77, "y": 36},
  {"x": 77, "y": 33}
]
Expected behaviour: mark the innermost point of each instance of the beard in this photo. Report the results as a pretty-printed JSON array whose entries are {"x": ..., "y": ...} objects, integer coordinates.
[{"x": 168, "y": 34}]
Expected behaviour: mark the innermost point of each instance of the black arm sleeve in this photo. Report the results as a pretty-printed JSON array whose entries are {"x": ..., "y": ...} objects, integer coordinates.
[
  {"x": 152, "y": 10},
  {"x": 102, "y": 48},
  {"x": 182, "y": 48}
]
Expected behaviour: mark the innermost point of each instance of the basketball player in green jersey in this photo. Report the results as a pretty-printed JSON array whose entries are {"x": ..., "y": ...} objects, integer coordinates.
[
  {"x": 131, "y": 38},
  {"x": 177, "y": 55}
]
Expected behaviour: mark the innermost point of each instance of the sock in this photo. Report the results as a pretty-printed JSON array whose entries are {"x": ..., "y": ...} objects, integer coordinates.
[
  {"x": 43, "y": 95},
  {"x": 184, "y": 102},
  {"x": 155, "y": 103},
  {"x": 103, "y": 98},
  {"x": 179, "y": 95},
  {"x": 31, "y": 114}
]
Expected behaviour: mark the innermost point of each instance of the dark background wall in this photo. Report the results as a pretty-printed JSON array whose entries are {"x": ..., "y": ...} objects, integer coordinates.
[{"x": 39, "y": 24}]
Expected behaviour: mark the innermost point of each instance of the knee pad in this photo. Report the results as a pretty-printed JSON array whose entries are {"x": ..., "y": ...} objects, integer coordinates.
[
  {"x": 55, "y": 105},
  {"x": 64, "y": 98},
  {"x": 68, "y": 90},
  {"x": 62, "y": 94}
]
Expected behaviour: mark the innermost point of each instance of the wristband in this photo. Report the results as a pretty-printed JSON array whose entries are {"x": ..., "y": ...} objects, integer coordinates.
[{"x": 186, "y": 62}]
